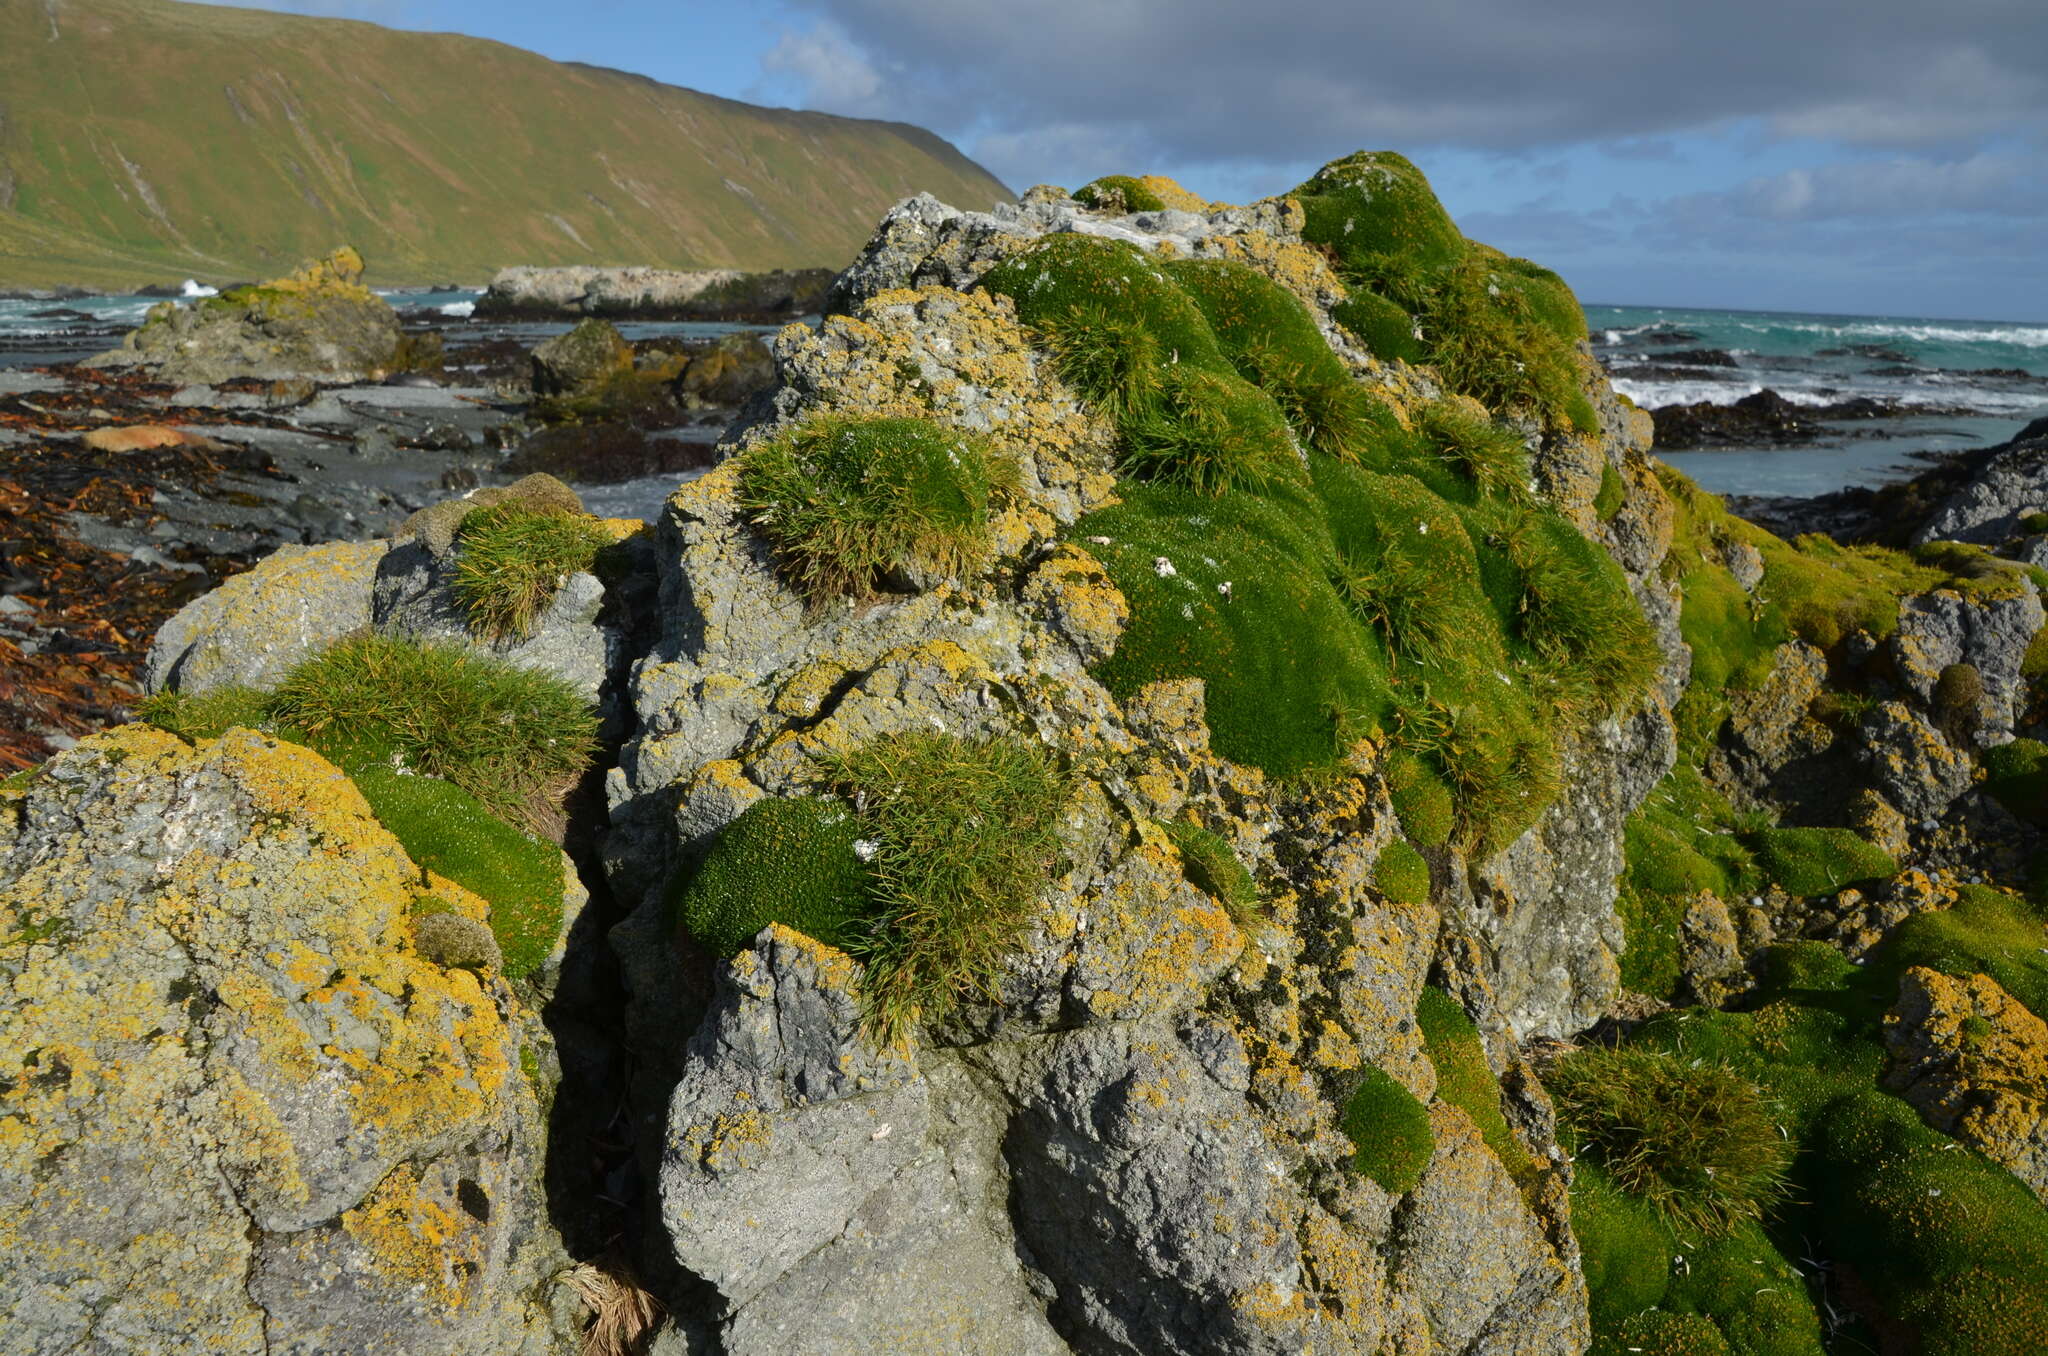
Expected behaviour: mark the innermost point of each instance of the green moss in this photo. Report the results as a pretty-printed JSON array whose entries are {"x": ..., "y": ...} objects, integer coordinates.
[
  {"x": 1421, "y": 799},
  {"x": 1212, "y": 867},
  {"x": 1576, "y": 612},
  {"x": 1815, "y": 862},
  {"x": 22, "y": 779},
  {"x": 1401, "y": 874},
  {"x": 963, "y": 836},
  {"x": 1465, "y": 1080},
  {"x": 1986, "y": 931},
  {"x": 1243, "y": 601},
  {"x": 1065, "y": 275},
  {"x": 1681, "y": 842},
  {"x": 849, "y": 504},
  {"x": 1118, "y": 193},
  {"x": 1608, "y": 501},
  {"x": 2016, "y": 774},
  {"x": 1695, "y": 1142},
  {"x": 512, "y": 738},
  {"x": 2034, "y": 522},
  {"x": 1375, "y": 205},
  {"x": 445, "y": 829},
  {"x": 206, "y": 715},
  {"x": 1662, "y": 1334},
  {"x": 1946, "y": 1241},
  {"x": 513, "y": 558},
  {"x": 1390, "y": 1130},
  {"x": 786, "y": 859},
  {"x": 1382, "y": 328}
]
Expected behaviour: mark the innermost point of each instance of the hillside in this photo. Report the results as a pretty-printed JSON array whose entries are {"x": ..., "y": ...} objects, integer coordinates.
[{"x": 144, "y": 140}]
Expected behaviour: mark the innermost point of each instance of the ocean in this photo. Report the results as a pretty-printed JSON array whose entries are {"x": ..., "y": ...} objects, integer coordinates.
[{"x": 1978, "y": 382}]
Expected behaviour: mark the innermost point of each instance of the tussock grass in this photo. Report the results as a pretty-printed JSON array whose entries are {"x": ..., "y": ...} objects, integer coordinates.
[
  {"x": 1112, "y": 360},
  {"x": 961, "y": 837},
  {"x": 1694, "y": 1141},
  {"x": 1212, "y": 433},
  {"x": 513, "y": 738},
  {"x": 514, "y": 558},
  {"x": 1491, "y": 457},
  {"x": 849, "y": 505}
]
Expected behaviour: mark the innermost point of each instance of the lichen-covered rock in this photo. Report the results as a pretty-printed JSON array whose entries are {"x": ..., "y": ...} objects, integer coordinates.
[
  {"x": 582, "y": 360},
  {"x": 319, "y": 323},
  {"x": 245, "y": 1114},
  {"x": 1910, "y": 763},
  {"x": 1770, "y": 726},
  {"x": 253, "y": 628},
  {"x": 1974, "y": 1060},
  {"x": 1942, "y": 629},
  {"x": 728, "y": 373}
]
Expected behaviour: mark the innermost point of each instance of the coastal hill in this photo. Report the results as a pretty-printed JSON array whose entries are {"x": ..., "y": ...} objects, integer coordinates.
[{"x": 144, "y": 140}]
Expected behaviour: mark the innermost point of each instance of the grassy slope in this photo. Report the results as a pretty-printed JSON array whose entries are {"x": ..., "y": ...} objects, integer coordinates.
[{"x": 143, "y": 140}]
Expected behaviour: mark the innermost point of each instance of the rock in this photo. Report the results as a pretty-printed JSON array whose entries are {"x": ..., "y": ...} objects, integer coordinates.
[
  {"x": 1771, "y": 738},
  {"x": 819, "y": 1184},
  {"x": 434, "y": 526},
  {"x": 245, "y": 1115},
  {"x": 319, "y": 323},
  {"x": 1910, "y": 763},
  {"x": 1710, "y": 952},
  {"x": 719, "y": 294},
  {"x": 146, "y": 438},
  {"x": 2008, "y": 484},
  {"x": 252, "y": 629},
  {"x": 1944, "y": 628},
  {"x": 1974, "y": 1060},
  {"x": 413, "y": 596},
  {"x": 585, "y": 359},
  {"x": 729, "y": 373}
]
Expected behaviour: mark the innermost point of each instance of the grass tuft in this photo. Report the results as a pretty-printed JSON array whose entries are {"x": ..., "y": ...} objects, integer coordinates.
[
  {"x": 1491, "y": 457},
  {"x": 961, "y": 837},
  {"x": 514, "y": 558},
  {"x": 1211, "y": 432},
  {"x": 1694, "y": 1141},
  {"x": 849, "y": 505}
]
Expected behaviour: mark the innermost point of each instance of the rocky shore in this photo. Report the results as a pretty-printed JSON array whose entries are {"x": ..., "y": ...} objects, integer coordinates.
[
  {"x": 1236, "y": 821},
  {"x": 654, "y": 294}
]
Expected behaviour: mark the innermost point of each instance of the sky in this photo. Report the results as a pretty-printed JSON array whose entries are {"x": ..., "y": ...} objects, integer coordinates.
[{"x": 1876, "y": 157}]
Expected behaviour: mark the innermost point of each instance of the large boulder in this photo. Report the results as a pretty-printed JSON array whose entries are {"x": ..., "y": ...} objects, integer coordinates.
[
  {"x": 582, "y": 360},
  {"x": 245, "y": 1113},
  {"x": 256, "y": 626},
  {"x": 319, "y": 323}
]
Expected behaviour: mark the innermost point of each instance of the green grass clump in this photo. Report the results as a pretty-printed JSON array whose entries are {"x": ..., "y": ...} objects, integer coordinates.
[
  {"x": 1576, "y": 613},
  {"x": 1064, "y": 275},
  {"x": 1390, "y": 1129},
  {"x": 1244, "y": 602},
  {"x": 786, "y": 859},
  {"x": 512, "y": 738},
  {"x": 1815, "y": 862},
  {"x": 1491, "y": 457},
  {"x": 1694, "y": 1141},
  {"x": 1378, "y": 203},
  {"x": 2016, "y": 774},
  {"x": 1401, "y": 874},
  {"x": 206, "y": 715},
  {"x": 514, "y": 558},
  {"x": 1213, "y": 867},
  {"x": 2034, "y": 522},
  {"x": 963, "y": 835},
  {"x": 1612, "y": 493},
  {"x": 1118, "y": 193},
  {"x": 1465, "y": 1080},
  {"x": 847, "y": 504},
  {"x": 1210, "y": 432},
  {"x": 445, "y": 829}
]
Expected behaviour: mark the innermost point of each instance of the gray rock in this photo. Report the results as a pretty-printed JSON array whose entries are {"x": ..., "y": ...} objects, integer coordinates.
[
  {"x": 2012, "y": 483},
  {"x": 255, "y": 627},
  {"x": 1909, "y": 762},
  {"x": 1943, "y": 628},
  {"x": 413, "y": 596}
]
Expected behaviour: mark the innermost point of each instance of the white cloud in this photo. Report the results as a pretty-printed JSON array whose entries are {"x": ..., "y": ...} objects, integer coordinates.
[{"x": 833, "y": 72}]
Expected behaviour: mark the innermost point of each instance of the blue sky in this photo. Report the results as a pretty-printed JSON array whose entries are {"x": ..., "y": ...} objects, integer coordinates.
[{"x": 1880, "y": 156}]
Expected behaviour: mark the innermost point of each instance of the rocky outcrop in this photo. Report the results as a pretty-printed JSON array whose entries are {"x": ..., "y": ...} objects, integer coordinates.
[
  {"x": 1975, "y": 1061},
  {"x": 319, "y": 323},
  {"x": 585, "y": 359},
  {"x": 246, "y": 1113},
  {"x": 1942, "y": 633},
  {"x": 2009, "y": 484},
  {"x": 525, "y": 293}
]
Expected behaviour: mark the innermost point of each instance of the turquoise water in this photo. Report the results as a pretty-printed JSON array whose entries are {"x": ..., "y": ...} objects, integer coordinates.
[{"x": 1977, "y": 382}]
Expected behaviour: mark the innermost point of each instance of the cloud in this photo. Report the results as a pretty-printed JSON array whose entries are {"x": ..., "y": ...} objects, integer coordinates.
[
  {"x": 833, "y": 72},
  {"x": 1900, "y": 188},
  {"x": 1219, "y": 81}
]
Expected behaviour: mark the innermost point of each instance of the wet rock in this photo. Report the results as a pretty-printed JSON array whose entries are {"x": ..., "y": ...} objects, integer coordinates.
[
  {"x": 1974, "y": 1060},
  {"x": 729, "y": 373},
  {"x": 585, "y": 359}
]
